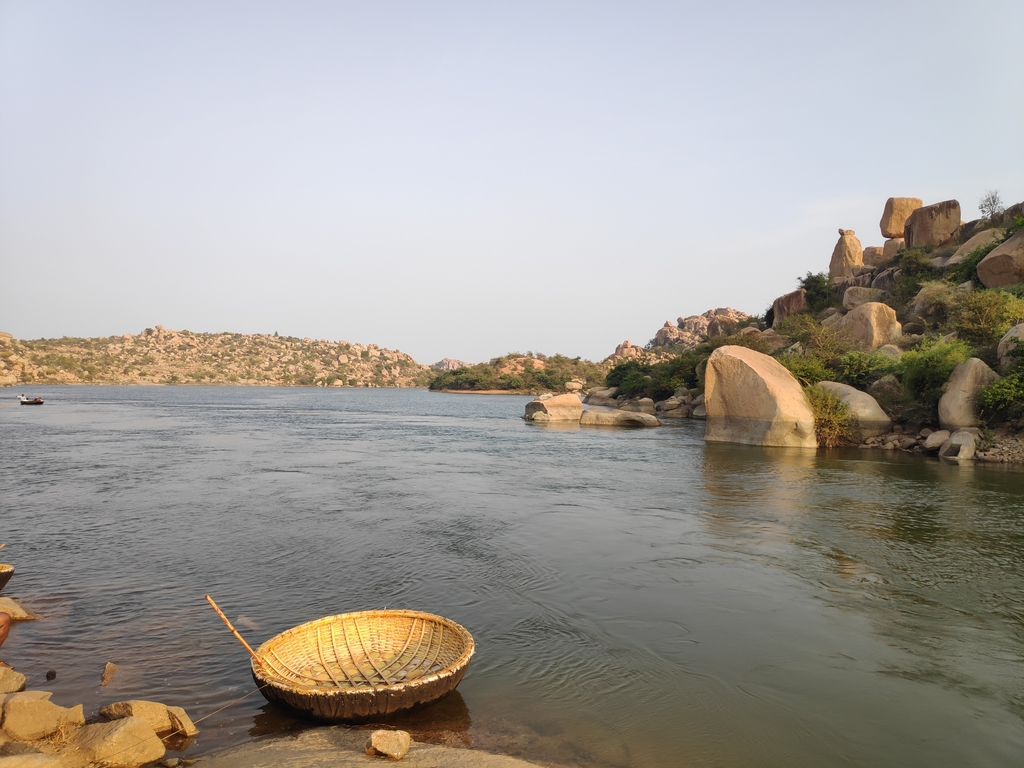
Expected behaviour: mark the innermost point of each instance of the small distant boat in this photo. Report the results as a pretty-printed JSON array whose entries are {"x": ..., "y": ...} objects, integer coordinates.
[{"x": 34, "y": 401}]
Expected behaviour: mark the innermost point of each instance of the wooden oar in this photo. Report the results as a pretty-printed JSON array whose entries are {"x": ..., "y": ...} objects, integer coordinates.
[
  {"x": 233, "y": 630},
  {"x": 2, "y": 546}
]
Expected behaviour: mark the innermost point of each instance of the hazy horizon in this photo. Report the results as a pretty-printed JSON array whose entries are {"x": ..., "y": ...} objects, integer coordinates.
[{"x": 463, "y": 180}]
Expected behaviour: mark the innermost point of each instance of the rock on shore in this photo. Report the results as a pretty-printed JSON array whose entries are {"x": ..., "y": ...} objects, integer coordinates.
[{"x": 751, "y": 398}]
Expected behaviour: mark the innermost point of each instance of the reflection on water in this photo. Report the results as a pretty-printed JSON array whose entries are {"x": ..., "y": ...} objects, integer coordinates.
[{"x": 638, "y": 598}]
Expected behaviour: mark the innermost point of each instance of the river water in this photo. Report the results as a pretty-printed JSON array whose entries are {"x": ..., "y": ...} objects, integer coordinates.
[{"x": 638, "y": 598}]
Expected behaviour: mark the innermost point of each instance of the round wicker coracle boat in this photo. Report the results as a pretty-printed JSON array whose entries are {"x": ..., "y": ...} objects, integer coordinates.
[
  {"x": 356, "y": 666},
  {"x": 6, "y": 571}
]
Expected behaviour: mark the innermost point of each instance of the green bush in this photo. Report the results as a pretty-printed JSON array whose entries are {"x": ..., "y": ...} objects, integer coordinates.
[
  {"x": 834, "y": 425},
  {"x": 819, "y": 291},
  {"x": 816, "y": 339},
  {"x": 808, "y": 369},
  {"x": 862, "y": 369},
  {"x": 915, "y": 269},
  {"x": 968, "y": 268},
  {"x": 1003, "y": 400},
  {"x": 924, "y": 370},
  {"x": 983, "y": 317}
]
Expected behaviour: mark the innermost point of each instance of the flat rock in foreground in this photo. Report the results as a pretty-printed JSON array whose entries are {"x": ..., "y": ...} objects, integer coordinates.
[
  {"x": 341, "y": 747},
  {"x": 751, "y": 398}
]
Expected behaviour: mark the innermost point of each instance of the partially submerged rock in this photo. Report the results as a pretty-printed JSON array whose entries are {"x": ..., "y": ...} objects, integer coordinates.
[
  {"x": 124, "y": 743},
  {"x": 15, "y": 610},
  {"x": 962, "y": 444},
  {"x": 29, "y": 719},
  {"x": 160, "y": 717},
  {"x": 109, "y": 670},
  {"x": 11, "y": 681},
  {"x": 393, "y": 744},
  {"x": 548, "y": 408},
  {"x": 594, "y": 417},
  {"x": 956, "y": 406},
  {"x": 751, "y": 398}
]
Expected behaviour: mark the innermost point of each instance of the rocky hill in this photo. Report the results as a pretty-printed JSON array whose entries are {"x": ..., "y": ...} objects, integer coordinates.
[
  {"x": 517, "y": 373},
  {"x": 162, "y": 356},
  {"x": 916, "y": 345}
]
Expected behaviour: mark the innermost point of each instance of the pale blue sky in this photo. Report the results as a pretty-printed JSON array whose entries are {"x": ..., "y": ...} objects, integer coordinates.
[{"x": 467, "y": 179}]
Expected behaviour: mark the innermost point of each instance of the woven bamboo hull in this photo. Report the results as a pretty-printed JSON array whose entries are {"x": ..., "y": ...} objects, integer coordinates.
[
  {"x": 340, "y": 707},
  {"x": 6, "y": 571},
  {"x": 364, "y": 665}
]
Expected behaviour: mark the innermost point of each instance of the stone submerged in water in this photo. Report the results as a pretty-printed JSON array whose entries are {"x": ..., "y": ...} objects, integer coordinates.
[
  {"x": 593, "y": 417},
  {"x": 125, "y": 743},
  {"x": 393, "y": 744},
  {"x": 547, "y": 408}
]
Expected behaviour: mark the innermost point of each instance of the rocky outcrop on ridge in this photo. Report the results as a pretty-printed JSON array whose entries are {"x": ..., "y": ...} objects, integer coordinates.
[
  {"x": 163, "y": 356},
  {"x": 450, "y": 364}
]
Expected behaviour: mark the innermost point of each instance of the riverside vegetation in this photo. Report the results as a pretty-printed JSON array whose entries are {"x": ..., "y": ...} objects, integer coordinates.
[
  {"x": 162, "y": 356},
  {"x": 522, "y": 374},
  {"x": 899, "y": 346}
]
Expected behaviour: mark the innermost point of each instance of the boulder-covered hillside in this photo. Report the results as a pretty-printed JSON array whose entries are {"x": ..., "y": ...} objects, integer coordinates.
[{"x": 162, "y": 356}]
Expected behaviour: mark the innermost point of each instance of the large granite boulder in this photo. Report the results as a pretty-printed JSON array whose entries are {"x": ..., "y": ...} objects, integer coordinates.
[
  {"x": 593, "y": 417},
  {"x": 956, "y": 406},
  {"x": 847, "y": 256},
  {"x": 891, "y": 247},
  {"x": 874, "y": 255},
  {"x": 932, "y": 225},
  {"x": 29, "y": 719},
  {"x": 1005, "y": 264},
  {"x": 855, "y": 295},
  {"x": 984, "y": 237},
  {"x": 1012, "y": 339},
  {"x": 125, "y": 743},
  {"x": 870, "y": 326},
  {"x": 669, "y": 334},
  {"x": 897, "y": 211},
  {"x": 602, "y": 396},
  {"x": 547, "y": 408},
  {"x": 751, "y": 398},
  {"x": 790, "y": 304},
  {"x": 871, "y": 419}
]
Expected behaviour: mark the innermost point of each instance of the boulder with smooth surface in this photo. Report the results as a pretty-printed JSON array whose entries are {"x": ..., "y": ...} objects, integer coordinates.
[
  {"x": 1005, "y": 264},
  {"x": 983, "y": 238},
  {"x": 602, "y": 396},
  {"x": 160, "y": 717},
  {"x": 856, "y": 295},
  {"x": 15, "y": 610},
  {"x": 960, "y": 445},
  {"x": 956, "y": 406},
  {"x": 751, "y": 398},
  {"x": 871, "y": 419},
  {"x": 891, "y": 247},
  {"x": 894, "y": 216},
  {"x": 545, "y": 408},
  {"x": 874, "y": 255},
  {"x": 124, "y": 743},
  {"x": 1010, "y": 345},
  {"x": 643, "y": 405},
  {"x": 935, "y": 440},
  {"x": 932, "y": 225},
  {"x": 870, "y": 326},
  {"x": 27, "y": 719},
  {"x": 11, "y": 681},
  {"x": 594, "y": 417},
  {"x": 847, "y": 256}
]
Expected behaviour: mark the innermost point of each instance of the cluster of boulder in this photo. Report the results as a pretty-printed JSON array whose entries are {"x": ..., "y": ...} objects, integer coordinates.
[
  {"x": 568, "y": 409},
  {"x": 35, "y": 732},
  {"x": 685, "y": 333}
]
